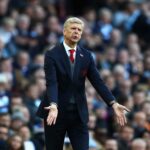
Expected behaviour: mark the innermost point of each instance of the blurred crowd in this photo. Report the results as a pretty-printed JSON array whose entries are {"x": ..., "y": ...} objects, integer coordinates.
[{"x": 117, "y": 32}]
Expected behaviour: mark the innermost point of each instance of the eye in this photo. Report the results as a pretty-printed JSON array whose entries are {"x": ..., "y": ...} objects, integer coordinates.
[
  {"x": 79, "y": 29},
  {"x": 73, "y": 28}
]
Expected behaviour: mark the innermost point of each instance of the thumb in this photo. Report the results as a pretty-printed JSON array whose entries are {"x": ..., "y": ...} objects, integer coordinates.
[
  {"x": 47, "y": 108},
  {"x": 126, "y": 109}
]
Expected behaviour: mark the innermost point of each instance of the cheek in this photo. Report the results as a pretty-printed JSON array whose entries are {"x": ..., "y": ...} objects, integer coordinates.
[
  {"x": 68, "y": 34},
  {"x": 80, "y": 34}
]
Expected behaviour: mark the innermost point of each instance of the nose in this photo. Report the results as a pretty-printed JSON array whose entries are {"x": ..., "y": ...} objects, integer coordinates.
[{"x": 76, "y": 31}]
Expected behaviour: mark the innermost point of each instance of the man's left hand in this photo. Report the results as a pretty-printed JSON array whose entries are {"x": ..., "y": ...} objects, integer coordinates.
[{"x": 119, "y": 111}]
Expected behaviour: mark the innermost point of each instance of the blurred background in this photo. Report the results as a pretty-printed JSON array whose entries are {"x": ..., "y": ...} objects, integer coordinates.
[{"x": 117, "y": 32}]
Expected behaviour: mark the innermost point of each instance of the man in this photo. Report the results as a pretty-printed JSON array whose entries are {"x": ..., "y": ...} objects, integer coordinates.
[
  {"x": 4, "y": 130},
  {"x": 138, "y": 144},
  {"x": 111, "y": 144},
  {"x": 64, "y": 107},
  {"x": 125, "y": 136}
]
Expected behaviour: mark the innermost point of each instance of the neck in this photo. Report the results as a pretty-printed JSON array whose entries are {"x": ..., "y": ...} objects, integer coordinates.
[{"x": 72, "y": 45}]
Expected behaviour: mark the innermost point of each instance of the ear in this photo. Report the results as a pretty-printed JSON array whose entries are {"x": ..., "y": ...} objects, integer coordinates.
[{"x": 63, "y": 31}]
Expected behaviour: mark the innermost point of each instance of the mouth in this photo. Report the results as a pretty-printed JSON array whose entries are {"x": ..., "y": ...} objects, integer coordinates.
[{"x": 75, "y": 37}]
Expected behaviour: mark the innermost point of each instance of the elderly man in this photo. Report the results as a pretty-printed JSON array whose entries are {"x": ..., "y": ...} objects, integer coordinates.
[{"x": 64, "y": 107}]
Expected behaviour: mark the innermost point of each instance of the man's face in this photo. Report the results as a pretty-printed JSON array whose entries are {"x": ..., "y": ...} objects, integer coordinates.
[
  {"x": 111, "y": 145},
  {"x": 5, "y": 120},
  {"x": 127, "y": 133},
  {"x": 72, "y": 32},
  {"x": 3, "y": 133}
]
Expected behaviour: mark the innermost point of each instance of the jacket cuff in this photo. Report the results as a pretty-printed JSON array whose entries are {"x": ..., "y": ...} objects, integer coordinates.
[{"x": 112, "y": 102}]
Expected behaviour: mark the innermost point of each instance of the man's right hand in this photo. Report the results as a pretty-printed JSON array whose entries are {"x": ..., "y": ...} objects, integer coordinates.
[{"x": 52, "y": 115}]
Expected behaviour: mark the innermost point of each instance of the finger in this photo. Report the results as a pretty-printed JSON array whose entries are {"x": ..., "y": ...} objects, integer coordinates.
[
  {"x": 125, "y": 119},
  {"x": 122, "y": 121},
  {"x": 50, "y": 121},
  {"x": 47, "y": 121},
  {"x": 54, "y": 121},
  {"x": 126, "y": 109},
  {"x": 117, "y": 120}
]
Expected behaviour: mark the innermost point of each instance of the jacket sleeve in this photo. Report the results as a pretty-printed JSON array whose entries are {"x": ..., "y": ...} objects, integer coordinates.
[
  {"x": 97, "y": 82},
  {"x": 51, "y": 78}
]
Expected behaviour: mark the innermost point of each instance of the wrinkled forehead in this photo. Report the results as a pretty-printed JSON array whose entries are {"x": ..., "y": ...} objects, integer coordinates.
[
  {"x": 75, "y": 24},
  {"x": 75, "y": 21}
]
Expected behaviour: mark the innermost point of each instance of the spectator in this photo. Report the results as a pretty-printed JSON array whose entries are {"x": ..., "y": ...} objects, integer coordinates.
[
  {"x": 111, "y": 144},
  {"x": 5, "y": 119},
  {"x": 4, "y": 134},
  {"x": 25, "y": 133},
  {"x": 6, "y": 68},
  {"x": 15, "y": 142},
  {"x": 110, "y": 58},
  {"x": 104, "y": 26},
  {"x": 3, "y": 50},
  {"x": 7, "y": 30},
  {"x": 138, "y": 144},
  {"x": 3, "y": 9},
  {"x": 117, "y": 34},
  {"x": 17, "y": 120},
  {"x": 4, "y": 98},
  {"x": 138, "y": 98},
  {"x": 139, "y": 123},
  {"x": 32, "y": 100},
  {"x": 116, "y": 39},
  {"x": 125, "y": 136}
]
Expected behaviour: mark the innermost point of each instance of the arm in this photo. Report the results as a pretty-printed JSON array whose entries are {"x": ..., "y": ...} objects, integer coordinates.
[
  {"x": 101, "y": 88},
  {"x": 51, "y": 79},
  {"x": 51, "y": 88},
  {"x": 97, "y": 82}
]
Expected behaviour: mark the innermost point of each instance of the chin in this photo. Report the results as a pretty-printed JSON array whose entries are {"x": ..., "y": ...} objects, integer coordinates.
[{"x": 75, "y": 41}]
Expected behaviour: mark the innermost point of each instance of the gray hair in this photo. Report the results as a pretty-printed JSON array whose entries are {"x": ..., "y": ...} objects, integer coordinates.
[
  {"x": 139, "y": 143},
  {"x": 105, "y": 12},
  {"x": 73, "y": 20},
  {"x": 23, "y": 17}
]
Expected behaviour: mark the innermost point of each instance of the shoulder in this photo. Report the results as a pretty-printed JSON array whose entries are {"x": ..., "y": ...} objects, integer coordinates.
[
  {"x": 53, "y": 50},
  {"x": 85, "y": 51}
]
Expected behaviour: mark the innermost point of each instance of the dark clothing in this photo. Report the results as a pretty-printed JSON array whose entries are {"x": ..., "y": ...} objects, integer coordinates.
[
  {"x": 3, "y": 145},
  {"x": 61, "y": 87},
  {"x": 76, "y": 130},
  {"x": 143, "y": 24}
]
